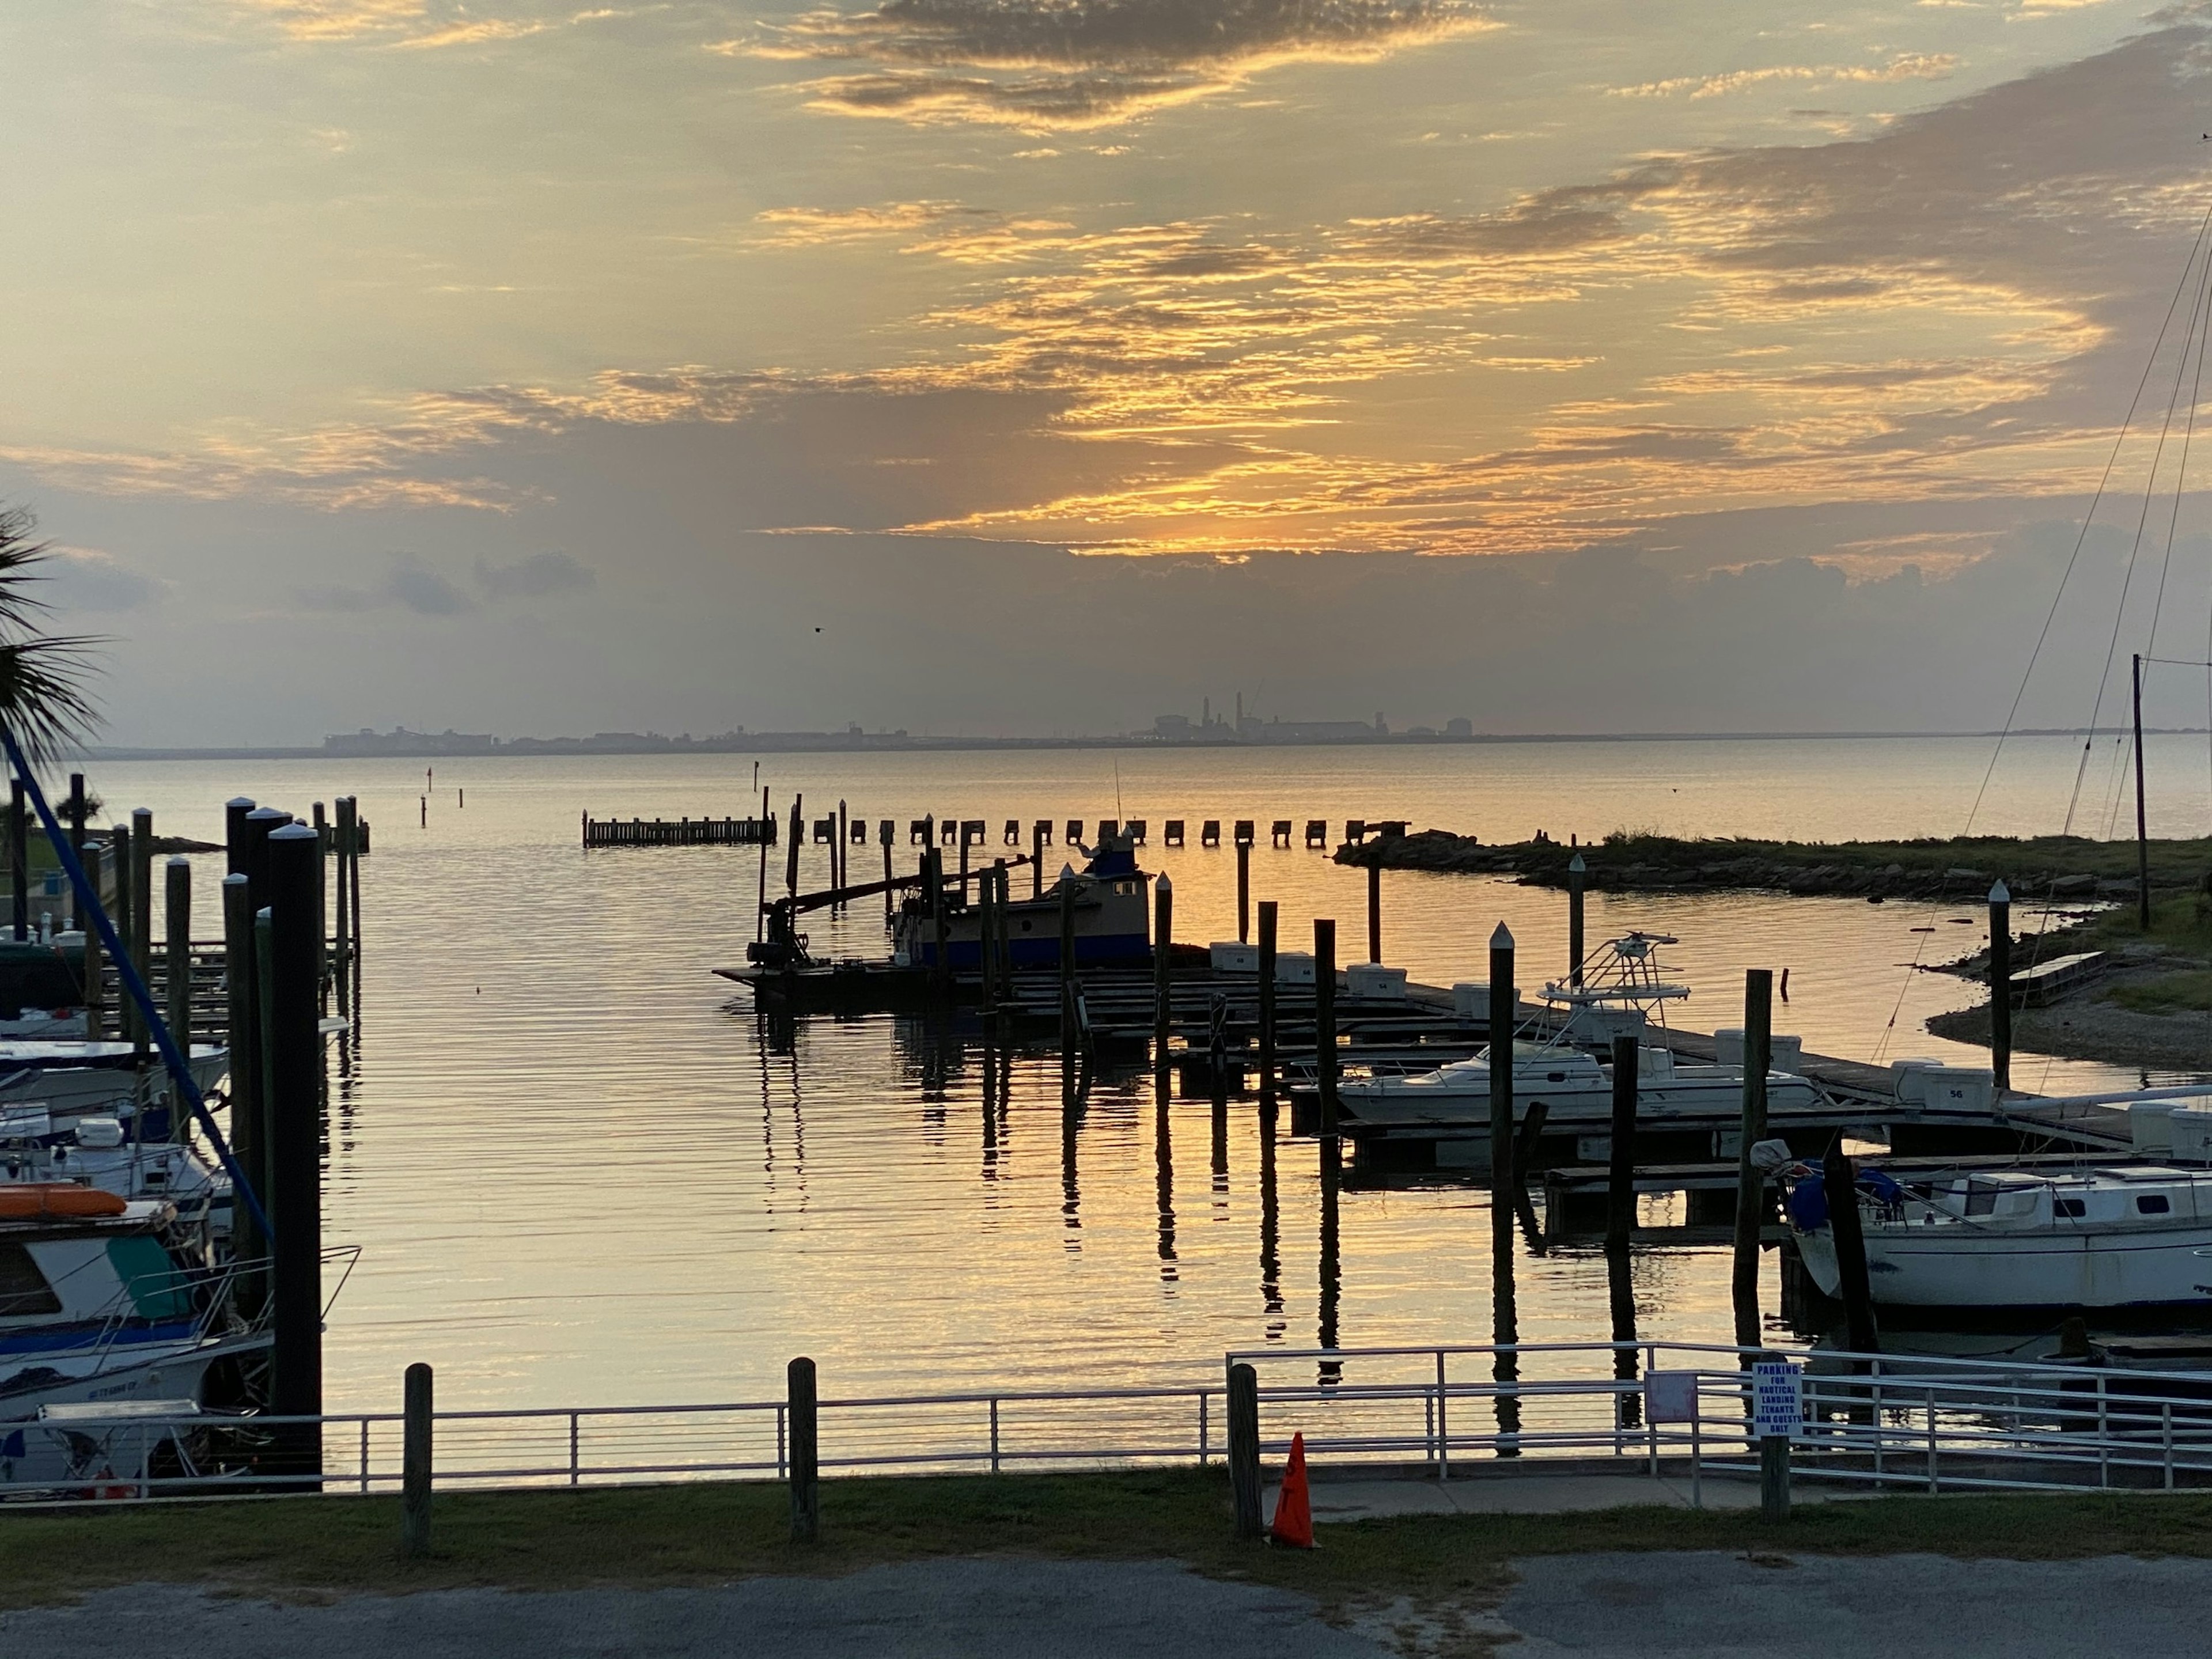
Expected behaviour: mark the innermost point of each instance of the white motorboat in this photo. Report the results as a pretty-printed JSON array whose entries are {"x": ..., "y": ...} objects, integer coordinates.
[
  {"x": 99, "y": 1308},
  {"x": 1574, "y": 1088},
  {"x": 2019, "y": 1240},
  {"x": 1620, "y": 992}
]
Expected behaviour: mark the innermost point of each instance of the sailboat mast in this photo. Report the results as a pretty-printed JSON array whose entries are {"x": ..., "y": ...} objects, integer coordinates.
[{"x": 2143, "y": 834}]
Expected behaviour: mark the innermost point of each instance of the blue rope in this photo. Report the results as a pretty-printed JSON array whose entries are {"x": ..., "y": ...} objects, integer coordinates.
[{"x": 179, "y": 1070}]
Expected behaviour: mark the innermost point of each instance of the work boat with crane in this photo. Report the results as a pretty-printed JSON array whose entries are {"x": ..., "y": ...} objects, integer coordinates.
[
  {"x": 1111, "y": 912},
  {"x": 1104, "y": 905}
]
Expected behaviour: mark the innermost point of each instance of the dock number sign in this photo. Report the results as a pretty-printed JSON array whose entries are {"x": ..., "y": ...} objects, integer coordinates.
[{"x": 1777, "y": 1408}]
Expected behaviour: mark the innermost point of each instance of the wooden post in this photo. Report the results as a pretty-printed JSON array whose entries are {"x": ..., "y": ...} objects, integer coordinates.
[
  {"x": 1001, "y": 948},
  {"x": 1267, "y": 1001},
  {"x": 2142, "y": 834},
  {"x": 75, "y": 812},
  {"x": 2001, "y": 986},
  {"x": 1773, "y": 1469},
  {"x": 92, "y": 969},
  {"x": 141, "y": 916},
  {"x": 933, "y": 860},
  {"x": 1375, "y": 913},
  {"x": 18, "y": 859},
  {"x": 1620, "y": 1178},
  {"x": 1243, "y": 891},
  {"x": 1244, "y": 1448},
  {"x": 415, "y": 1465},
  {"x": 890, "y": 899},
  {"x": 802, "y": 1407},
  {"x": 322, "y": 911},
  {"x": 1750, "y": 1179},
  {"x": 1325, "y": 1022},
  {"x": 1840, "y": 1183},
  {"x": 1036, "y": 859},
  {"x": 343, "y": 929},
  {"x": 1578, "y": 873},
  {"x": 353, "y": 898},
  {"x": 1504, "y": 1003},
  {"x": 178, "y": 897},
  {"x": 798, "y": 835},
  {"x": 1067, "y": 964},
  {"x": 1504, "y": 1310},
  {"x": 249, "y": 1134},
  {"x": 1163, "y": 968},
  {"x": 837, "y": 862},
  {"x": 294, "y": 1102},
  {"x": 119, "y": 850}
]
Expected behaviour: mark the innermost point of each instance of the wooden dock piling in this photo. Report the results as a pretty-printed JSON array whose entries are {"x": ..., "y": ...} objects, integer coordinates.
[
  {"x": 92, "y": 971},
  {"x": 294, "y": 1046},
  {"x": 76, "y": 813},
  {"x": 2001, "y": 986},
  {"x": 118, "y": 852},
  {"x": 1267, "y": 990},
  {"x": 141, "y": 916},
  {"x": 1244, "y": 1448},
  {"x": 1163, "y": 968},
  {"x": 1040, "y": 834},
  {"x": 1577, "y": 875},
  {"x": 179, "y": 965},
  {"x": 1620, "y": 1186},
  {"x": 1325, "y": 1023},
  {"x": 1750, "y": 1179},
  {"x": 1839, "y": 1184},
  {"x": 1375, "y": 913},
  {"x": 341, "y": 892},
  {"x": 1243, "y": 891},
  {"x": 249, "y": 1132}
]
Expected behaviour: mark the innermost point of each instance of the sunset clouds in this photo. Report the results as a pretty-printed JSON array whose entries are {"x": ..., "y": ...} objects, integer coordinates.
[
  {"x": 485, "y": 321},
  {"x": 1079, "y": 64}
]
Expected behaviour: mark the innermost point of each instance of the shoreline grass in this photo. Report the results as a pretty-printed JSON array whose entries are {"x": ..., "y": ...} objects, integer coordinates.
[{"x": 308, "y": 1548}]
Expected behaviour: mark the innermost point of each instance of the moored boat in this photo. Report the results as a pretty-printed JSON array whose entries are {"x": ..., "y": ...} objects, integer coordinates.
[{"x": 2021, "y": 1241}]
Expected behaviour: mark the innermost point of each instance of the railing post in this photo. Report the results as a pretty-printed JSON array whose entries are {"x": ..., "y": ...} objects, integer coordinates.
[
  {"x": 1935, "y": 1479},
  {"x": 575, "y": 1448},
  {"x": 415, "y": 1465},
  {"x": 1202, "y": 1429},
  {"x": 1443, "y": 1423},
  {"x": 2166, "y": 1435},
  {"x": 1244, "y": 1447},
  {"x": 994, "y": 1434},
  {"x": 806, "y": 1497}
]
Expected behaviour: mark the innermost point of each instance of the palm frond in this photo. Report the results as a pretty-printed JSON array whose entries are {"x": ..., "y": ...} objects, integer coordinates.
[
  {"x": 45, "y": 696},
  {"x": 21, "y": 554},
  {"x": 42, "y": 695}
]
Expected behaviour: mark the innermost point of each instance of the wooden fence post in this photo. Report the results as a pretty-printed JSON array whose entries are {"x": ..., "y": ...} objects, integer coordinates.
[
  {"x": 805, "y": 1453},
  {"x": 1244, "y": 1447},
  {"x": 415, "y": 1465}
]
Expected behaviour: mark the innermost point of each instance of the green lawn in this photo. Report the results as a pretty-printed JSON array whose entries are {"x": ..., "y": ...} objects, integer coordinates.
[{"x": 703, "y": 1534}]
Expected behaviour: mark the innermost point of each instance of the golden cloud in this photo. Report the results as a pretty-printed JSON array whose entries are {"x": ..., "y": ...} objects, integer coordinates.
[{"x": 1045, "y": 65}]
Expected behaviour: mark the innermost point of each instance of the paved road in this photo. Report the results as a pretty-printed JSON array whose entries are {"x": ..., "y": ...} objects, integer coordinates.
[
  {"x": 1716, "y": 1606},
  {"x": 982, "y": 1608},
  {"x": 1710, "y": 1605}
]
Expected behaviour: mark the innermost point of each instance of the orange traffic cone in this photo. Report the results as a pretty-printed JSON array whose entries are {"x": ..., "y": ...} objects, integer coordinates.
[{"x": 1293, "y": 1525}]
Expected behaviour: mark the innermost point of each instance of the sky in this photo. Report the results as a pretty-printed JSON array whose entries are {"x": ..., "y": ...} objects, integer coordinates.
[{"x": 1042, "y": 365}]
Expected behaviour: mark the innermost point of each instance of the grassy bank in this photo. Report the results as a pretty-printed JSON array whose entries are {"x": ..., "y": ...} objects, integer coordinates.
[
  {"x": 2036, "y": 867},
  {"x": 704, "y": 1535}
]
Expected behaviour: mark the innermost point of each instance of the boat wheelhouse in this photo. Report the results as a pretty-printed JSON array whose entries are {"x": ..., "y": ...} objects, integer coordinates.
[{"x": 1112, "y": 919}]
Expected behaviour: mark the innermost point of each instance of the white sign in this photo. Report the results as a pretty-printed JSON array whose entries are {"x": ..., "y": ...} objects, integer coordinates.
[
  {"x": 1777, "y": 1406},
  {"x": 1670, "y": 1397}
]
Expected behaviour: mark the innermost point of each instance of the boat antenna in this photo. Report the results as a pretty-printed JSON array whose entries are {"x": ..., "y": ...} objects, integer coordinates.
[{"x": 1117, "y": 789}]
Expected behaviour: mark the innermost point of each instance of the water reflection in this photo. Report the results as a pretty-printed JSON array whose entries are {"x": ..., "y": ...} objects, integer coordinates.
[
  {"x": 1164, "y": 1166},
  {"x": 1271, "y": 1226},
  {"x": 1332, "y": 1264}
]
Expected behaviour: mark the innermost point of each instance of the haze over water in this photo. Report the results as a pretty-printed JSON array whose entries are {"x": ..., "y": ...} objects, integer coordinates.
[{"x": 582, "y": 1171}]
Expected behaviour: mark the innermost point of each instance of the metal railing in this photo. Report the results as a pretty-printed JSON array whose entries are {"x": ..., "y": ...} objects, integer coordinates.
[{"x": 1672, "y": 1409}]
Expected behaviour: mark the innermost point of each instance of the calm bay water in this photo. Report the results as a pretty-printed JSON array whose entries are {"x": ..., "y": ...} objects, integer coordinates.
[{"x": 582, "y": 1171}]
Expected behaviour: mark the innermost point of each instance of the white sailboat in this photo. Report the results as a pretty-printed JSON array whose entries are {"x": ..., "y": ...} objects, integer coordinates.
[{"x": 2137, "y": 1237}]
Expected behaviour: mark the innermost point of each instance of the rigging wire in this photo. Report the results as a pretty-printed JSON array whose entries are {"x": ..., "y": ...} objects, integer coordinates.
[{"x": 2043, "y": 634}]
